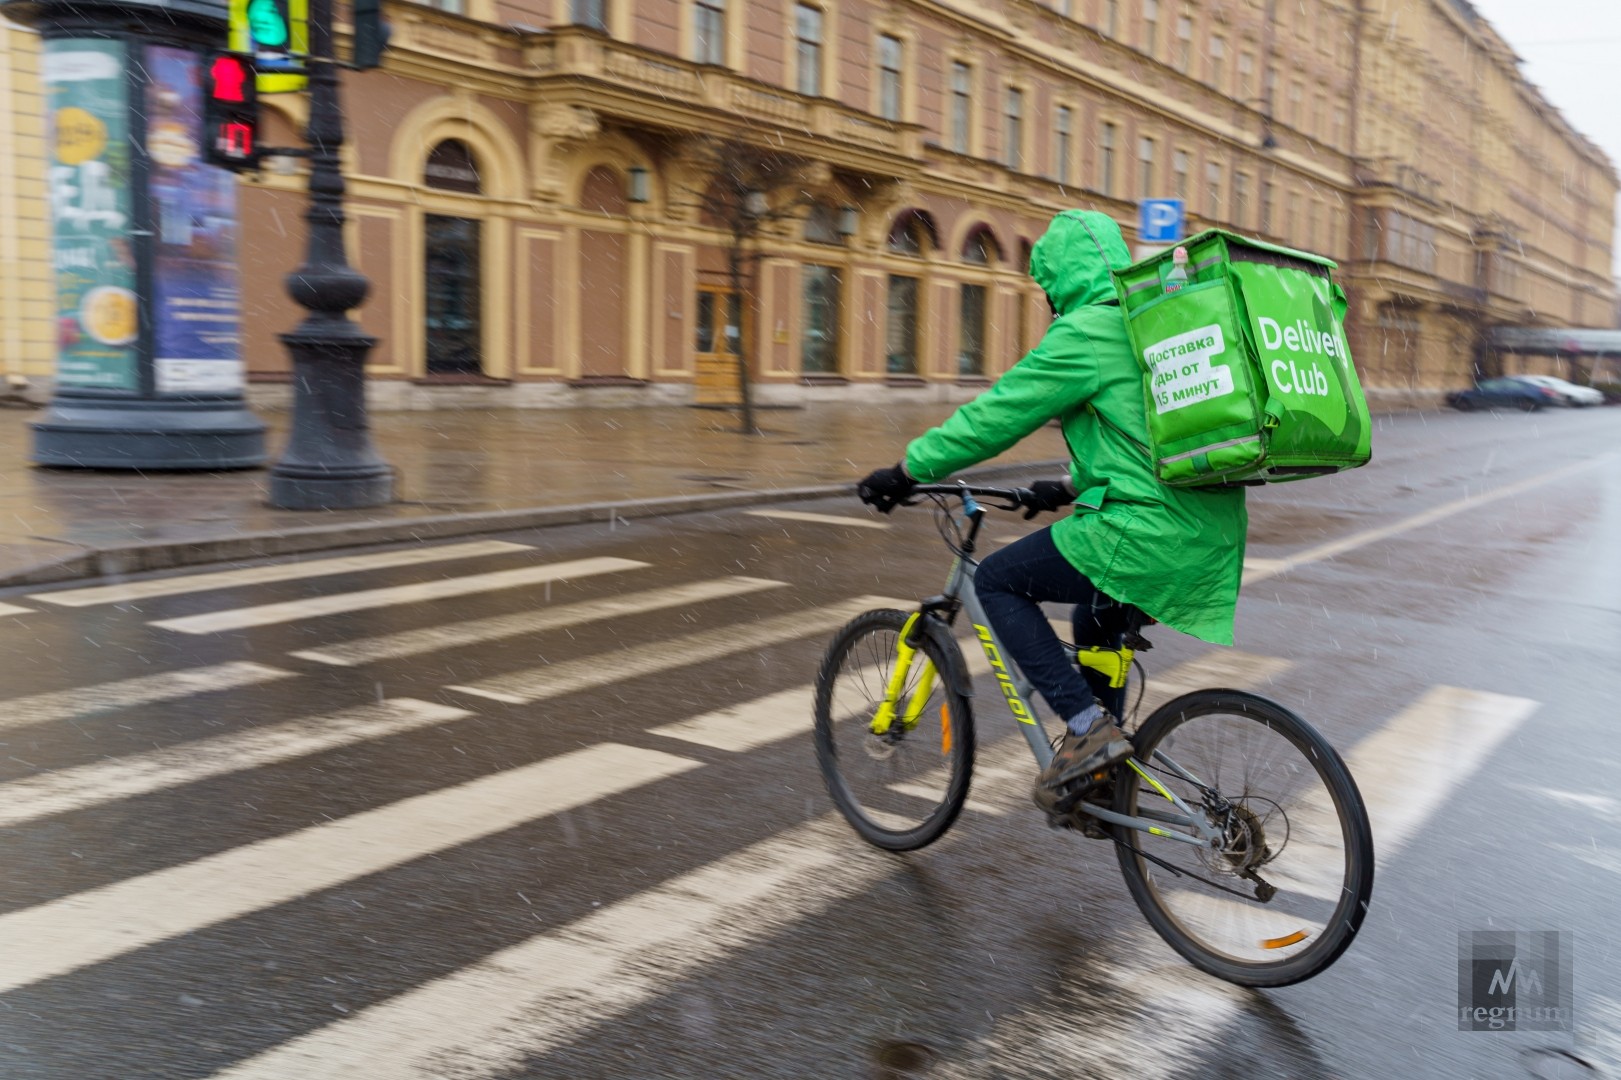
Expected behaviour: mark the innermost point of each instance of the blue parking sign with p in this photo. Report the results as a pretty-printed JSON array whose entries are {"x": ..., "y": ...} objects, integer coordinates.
[{"x": 1161, "y": 221}]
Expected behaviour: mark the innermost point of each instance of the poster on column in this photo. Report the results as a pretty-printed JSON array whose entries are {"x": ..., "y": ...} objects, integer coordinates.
[
  {"x": 97, "y": 311},
  {"x": 196, "y": 306}
]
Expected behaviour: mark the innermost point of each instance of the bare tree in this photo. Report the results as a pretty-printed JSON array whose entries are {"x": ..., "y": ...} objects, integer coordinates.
[{"x": 749, "y": 188}]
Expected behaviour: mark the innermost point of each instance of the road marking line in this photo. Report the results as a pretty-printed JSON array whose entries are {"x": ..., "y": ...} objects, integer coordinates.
[
  {"x": 13, "y": 609},
  {"x": 543, "y": 992},
  {"x": 262, "y": 575},
  {"x": 445, "y": 588},
  {"x": 1266, "y": 568},
  {"x": 86, "y": 928},
  {"x": 141, "y": 774},
  {"x": 553, "y": 680},
  {"x": 818, "y": 519},
  {"x": 141, "y": 690},
  {"x": 475, "y": 631}
]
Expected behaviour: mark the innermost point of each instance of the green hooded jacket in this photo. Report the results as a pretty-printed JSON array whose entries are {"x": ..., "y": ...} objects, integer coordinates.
[{"x": 1176, "y": 553}]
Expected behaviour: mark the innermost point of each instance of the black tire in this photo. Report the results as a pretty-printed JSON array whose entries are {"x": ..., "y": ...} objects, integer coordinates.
[
  {"x": 862, "y": 770},
  {"x": 1334, "y": 904}
]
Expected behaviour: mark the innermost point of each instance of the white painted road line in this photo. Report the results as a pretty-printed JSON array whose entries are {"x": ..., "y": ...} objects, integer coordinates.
[
  {"x": 476, "y": 631},
  {"x": 1265, "y": 568},
  {"x": 13, "y": 609},
  {"x": 263, "y": 575},
  {"x": 539, "y": 994},
  {"x": 141, "y": 774},
  {"x": 141, "y": 690},
  {"x": 552, "y": 680},
  {"x": 90, "y": 927},
  {"x": 819, "y": 519},
  {"x": 445, "y": 588}
]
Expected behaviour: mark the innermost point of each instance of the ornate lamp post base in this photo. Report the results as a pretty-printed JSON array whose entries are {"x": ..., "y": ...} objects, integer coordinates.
[
  {"x": 329, "y": 463},
  {"x": 103, "y": 433}
]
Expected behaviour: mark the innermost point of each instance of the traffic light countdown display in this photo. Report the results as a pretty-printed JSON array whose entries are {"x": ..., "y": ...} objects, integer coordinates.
[
  {"x": 275, "y": 33},
  {"x": 231, "y": 112}
]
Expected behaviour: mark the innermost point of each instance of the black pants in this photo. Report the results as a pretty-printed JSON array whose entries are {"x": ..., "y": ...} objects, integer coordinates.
[{"x": 1012, "y": 584}]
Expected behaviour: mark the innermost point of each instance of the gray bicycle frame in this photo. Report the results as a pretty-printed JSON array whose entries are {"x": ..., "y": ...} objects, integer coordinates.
[{"x": 960, "y": 587}]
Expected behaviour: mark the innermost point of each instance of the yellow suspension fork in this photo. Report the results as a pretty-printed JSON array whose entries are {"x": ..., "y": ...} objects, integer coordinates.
[{"x": 884, "y": 718}]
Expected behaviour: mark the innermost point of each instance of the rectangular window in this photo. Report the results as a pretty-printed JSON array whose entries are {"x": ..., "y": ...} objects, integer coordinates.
[
  {"x": 1246, "y": 78},
  {"x": 808, "y": 49},
  {"x": 971, "y": 331},
  {"x": 1179, "y": 175},
  {"x": 900, "y": 333},
  {"x": 1319, "y": 117},
  {"x": 1111, "y": 18},
  {"x": 1013, "y": 130},
  {"x": 1106, "y": 160},
  {"x": 1184, "y": 44},
  {"x": 1065, "y": 143},
  {"x": 1266, "y": 206},
  {"x": 1217, "y": 72},
  {"x": 1336, "y": 130},
  {"x": 709, "y": 32},
  {"x": 1145, "y": 169},
  {"x": 1241, "y": 199},
  {"x": 592, "y": 13},
  {"x": 1212, "y": 183},
  {"x": 1150, "y": 25},
  {"x": 962, "y": 88},
  {"x": 819, "y": 346},
  {"x": 889, "y": 77},
  {"x": 1297, "y": 93},
  {"x": 1291, "y": 217},
  {"x": 1312, "y": 214}
]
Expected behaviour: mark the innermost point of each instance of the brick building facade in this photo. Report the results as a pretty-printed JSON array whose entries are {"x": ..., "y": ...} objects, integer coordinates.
[{"x": 524, "y": 177}]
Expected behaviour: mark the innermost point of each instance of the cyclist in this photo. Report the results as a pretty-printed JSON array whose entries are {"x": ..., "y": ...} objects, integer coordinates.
[{"x": 1175, "y": 554}]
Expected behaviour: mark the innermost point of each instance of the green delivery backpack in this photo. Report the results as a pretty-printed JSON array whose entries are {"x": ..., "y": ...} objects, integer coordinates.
[{"x": 1247, "y": 376}]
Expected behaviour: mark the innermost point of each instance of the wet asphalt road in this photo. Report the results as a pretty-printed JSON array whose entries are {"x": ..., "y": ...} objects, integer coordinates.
[{"x": 212, "y": 887}]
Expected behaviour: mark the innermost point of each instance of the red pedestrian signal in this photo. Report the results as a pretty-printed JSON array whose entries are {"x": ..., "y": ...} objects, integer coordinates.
[{"x": 231, "y": 113}]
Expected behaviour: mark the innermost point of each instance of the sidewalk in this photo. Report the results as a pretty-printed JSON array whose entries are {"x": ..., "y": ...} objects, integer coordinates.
[{"x": 457, "y": 473}]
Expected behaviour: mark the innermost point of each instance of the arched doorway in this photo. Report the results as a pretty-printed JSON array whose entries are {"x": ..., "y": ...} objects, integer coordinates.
[{"x": 452, "y": 293}]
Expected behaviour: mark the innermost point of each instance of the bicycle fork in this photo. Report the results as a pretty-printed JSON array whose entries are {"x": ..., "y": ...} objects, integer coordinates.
[{"x": 905, "y": 655}]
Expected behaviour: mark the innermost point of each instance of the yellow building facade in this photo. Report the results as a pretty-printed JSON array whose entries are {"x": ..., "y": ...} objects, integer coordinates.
[{"x": 527, "y": 182}]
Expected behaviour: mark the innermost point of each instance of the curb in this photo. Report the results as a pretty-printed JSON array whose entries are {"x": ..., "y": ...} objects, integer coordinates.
[{"x": 170, "y": 555}]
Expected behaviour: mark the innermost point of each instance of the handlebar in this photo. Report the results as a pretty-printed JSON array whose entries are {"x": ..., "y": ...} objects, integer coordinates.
[{"x": 1010, "y": 498}]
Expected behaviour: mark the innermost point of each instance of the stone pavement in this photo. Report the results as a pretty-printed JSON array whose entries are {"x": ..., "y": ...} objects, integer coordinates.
[{"x": 457, "y": 472}]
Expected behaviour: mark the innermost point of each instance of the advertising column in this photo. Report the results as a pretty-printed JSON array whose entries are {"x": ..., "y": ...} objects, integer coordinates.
[{"x": 149, "y": 370}]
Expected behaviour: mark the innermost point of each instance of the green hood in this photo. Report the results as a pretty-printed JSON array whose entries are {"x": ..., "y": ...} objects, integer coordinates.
[{"x": 1073, "y": 258}]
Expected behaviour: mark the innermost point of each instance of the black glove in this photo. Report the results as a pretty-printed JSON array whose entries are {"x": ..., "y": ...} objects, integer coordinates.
[
  {"x": 1047, "y": 495},
  {"x": 886, "y": 488}
]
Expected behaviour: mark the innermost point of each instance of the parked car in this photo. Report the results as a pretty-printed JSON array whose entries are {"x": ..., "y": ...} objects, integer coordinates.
[
  {"x": 1569, "y": 393},
  {"x": 1502, "y": 394}
]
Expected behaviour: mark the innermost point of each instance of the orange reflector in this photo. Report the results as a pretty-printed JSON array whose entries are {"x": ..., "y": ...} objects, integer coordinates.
[
  {"x": 1283, "y": 942},
  {"x": 945, "y": 729}
]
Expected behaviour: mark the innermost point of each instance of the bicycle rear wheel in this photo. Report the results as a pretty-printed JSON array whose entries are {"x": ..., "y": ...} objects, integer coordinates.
[
  {"x": 1290, "y": 817},
  {"x": 901, "y": 788}
]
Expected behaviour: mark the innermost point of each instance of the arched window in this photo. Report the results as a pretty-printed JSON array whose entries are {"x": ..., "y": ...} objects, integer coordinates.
[
  {"x": 981, "y": 248},
  {"x": 912, "y": 234},
  {"x": 451, "y": 166},
  {"x": 603, "y": 192}
]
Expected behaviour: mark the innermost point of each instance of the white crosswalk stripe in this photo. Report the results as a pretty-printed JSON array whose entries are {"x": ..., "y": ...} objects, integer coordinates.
[
  {"x": 819, "y": 519},
  {"x": 276, "y": 572},
  {"x": 63, "y": 790},
  {"x": 444, "y": 588},
  {"x": 553, "y": 680},
  {"x": 14, "y": 609},
  {"x": 90, "y": 927},
  {"x": 141, "y": 690},
  {"x": 478, "y": 631},
  {"x": 538, "y": 994}
]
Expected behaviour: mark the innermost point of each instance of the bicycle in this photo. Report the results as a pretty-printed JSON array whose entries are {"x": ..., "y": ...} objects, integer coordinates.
[{"x": 908, "y": 727}]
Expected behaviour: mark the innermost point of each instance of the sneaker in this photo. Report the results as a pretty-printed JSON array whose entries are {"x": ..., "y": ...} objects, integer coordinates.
[{"x": 1079, "y": 760}]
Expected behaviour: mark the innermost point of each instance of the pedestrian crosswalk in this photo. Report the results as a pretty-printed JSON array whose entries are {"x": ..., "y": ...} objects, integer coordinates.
[{"x": 560, "y": 980}]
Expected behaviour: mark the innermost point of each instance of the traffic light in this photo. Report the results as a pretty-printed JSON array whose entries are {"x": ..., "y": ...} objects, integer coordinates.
[
  {"x": 270, "y": 28},
  {"x": 231, "y": 112},
  {"x": 371, "y": 34},
  {"x": 276, "y": 34}
]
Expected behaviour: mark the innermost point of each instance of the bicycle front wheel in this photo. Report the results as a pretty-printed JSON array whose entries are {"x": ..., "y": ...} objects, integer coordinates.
[
  {"x": 1283, "y": 894},
  {"x": 899, "y": 781}
]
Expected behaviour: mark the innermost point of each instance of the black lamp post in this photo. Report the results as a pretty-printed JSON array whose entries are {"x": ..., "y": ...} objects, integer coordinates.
[
  {"x": 329, "y": 463},
  {"x": 147, "y": 374}
]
